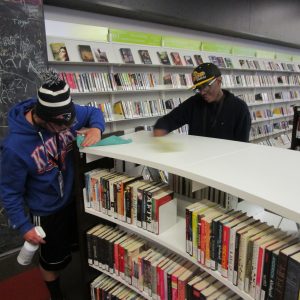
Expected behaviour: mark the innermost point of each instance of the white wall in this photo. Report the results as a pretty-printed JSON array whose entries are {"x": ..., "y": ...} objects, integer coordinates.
[{"x": 75, "y": 16}]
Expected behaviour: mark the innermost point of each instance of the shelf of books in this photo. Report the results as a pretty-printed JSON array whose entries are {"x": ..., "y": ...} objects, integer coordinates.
[
  {"x": 198, "y": 246},
  {"x": 110, "y": 70}
]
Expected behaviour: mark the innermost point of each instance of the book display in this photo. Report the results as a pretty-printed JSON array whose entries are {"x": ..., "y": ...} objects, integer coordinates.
[
  {"x": 143, "y": 78},
  {"x": 163, "y": 245}
]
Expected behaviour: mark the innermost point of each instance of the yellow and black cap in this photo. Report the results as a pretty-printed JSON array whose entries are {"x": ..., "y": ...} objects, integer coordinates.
[{"x": 204, "y": 73}]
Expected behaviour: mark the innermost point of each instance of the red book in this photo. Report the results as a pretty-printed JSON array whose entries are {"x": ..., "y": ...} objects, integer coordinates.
[{"x": 157, "y": 202}]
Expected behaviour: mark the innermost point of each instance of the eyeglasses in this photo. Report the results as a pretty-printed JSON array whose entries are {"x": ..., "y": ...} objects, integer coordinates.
[{"x": 204, "y": 87}]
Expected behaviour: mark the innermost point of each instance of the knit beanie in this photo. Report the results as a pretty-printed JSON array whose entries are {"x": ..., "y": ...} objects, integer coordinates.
[{"x": 54, "y": 103}]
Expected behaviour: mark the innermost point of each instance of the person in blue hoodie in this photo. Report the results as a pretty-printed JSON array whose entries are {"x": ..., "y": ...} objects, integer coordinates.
[{"x": 37, "y": 171}]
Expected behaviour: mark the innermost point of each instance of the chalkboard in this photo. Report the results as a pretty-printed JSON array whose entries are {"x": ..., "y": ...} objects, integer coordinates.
[
  {"x": 23, "y": 55},
  {"x": 23, "y": 52}
]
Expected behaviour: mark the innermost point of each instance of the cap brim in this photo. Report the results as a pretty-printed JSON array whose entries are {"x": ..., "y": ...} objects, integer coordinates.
[{"x": 202, "y": 82}]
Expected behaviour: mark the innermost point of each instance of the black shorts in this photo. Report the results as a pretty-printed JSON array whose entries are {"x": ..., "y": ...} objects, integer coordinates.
[{"x": 61, "y": 234}]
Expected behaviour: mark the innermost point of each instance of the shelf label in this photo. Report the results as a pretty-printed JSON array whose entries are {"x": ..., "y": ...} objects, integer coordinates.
[
  {"x": 175, "y": 42},
  {"x": 216, "y": 47},
  {"x": 265, "y": 54},
  {"x": 242, "y": 51},
  {"x": 134, "y": 37},
  {"x": 76, "y": 31},
  {"x": 283, "y": 56}
]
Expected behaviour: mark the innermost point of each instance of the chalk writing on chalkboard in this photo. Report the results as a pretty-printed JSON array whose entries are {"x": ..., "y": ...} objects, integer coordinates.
[{"x": 22, "y": 52}]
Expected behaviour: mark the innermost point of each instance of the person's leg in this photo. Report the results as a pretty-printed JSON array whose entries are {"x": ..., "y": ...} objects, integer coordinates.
[
  {"x": 55, "y": 255},
  {"x": 52, "y": 281}
]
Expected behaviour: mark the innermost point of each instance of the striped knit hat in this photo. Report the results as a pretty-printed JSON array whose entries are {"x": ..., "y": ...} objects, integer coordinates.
[{"x": 54, "y": 103}]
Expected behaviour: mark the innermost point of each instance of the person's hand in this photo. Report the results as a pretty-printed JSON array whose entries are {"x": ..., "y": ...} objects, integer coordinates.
[
  {"x": 91, "y": 136},
  {"x": 32, "y": 237},
  {"x": 160, "y": 132}
]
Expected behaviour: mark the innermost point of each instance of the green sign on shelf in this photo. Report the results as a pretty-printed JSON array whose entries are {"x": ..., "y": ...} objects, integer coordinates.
[
  {"x": 265, "y": 54},
  {"x": 216, "y": 47},
  {"x": 242, "y": 51},
  {"x": 296, "y": 58},
  {"x": 134, "y": 37},
  {"x": 175, "y": 42},
  {"x": 283, "y": 56}
]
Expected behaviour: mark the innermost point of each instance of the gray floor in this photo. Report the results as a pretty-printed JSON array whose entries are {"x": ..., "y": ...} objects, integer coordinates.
[{"x": 70, "y": 277}]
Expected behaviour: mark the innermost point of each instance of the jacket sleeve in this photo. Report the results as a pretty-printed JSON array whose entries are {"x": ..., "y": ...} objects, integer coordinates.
[
  {"x": 12, "y": 189},
  {"x": 178, "y": 117},
  {"x": 243, "y": 126},
  {"x": 90, "y": 117}
]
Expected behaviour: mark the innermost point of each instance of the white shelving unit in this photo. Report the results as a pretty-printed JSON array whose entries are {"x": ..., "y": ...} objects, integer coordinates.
[
  {"x": 263, "y": 176},
  {"x": 249, "y": 171},
  {"x": 116, "y": 65}
]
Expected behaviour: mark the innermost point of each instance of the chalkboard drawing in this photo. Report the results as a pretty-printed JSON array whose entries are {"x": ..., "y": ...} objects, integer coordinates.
[
  {"x": 59, "y": 51},
  {"x": 86, "y": 53},
  {"x": 100, "y": 55}
]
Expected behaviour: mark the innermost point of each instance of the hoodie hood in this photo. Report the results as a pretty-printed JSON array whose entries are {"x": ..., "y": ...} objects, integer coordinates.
[{"x": 16, "y": 118}]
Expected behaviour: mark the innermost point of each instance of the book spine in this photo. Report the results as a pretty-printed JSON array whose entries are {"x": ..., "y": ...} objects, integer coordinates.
[
  {"x": 115, "y": 191},
  {"x": 89, "y": 248},
  {"x": 236, "y": 258},
  {"x": 248, "y": 266},
  {"x": 280, "y": 276},
  {"x": 181, "y": 286},
  {"x": 148, "y": 214},
  {"x": 273, "y": 270},
  {"x": 213, "y": 245},
  {"x": 292, "y": 288},
  {"x": 231, "y": 254},
  {"x": 139, "y": 208},
  {"x": 128, "y": 204},
  {"x": 169, "y": 286},
  {"x": 116, "y": 259},
  {"x": 194, "y": 234},
  {"x": 219, "y": 246},
  {"x": 120, "y": 197},
  {"x": 199, "y": 239},
  {"x": 265, "y": 275},
  {"x": 203, "y": 241},
  {"x": 121, "y": 261},
  {"x": 111, "y": 257},
  {"x": 242, "y": 262},
  {"x": 158, "y": 282},
  {"x": 153, "y": 282},
  {"x": 144, "y": 205},
  {"x": 225, "y": 250},
  {"x": 207, "y": 244},
  {"x": 95, "y": 252},
  {"x": 257, "y": 273},
  {"x": 187, "y": 231},
  {"x": 141, "y": 274}
]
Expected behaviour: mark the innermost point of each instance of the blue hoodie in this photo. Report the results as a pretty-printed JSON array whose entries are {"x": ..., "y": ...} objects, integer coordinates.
[{"x": 29, "y": 175}]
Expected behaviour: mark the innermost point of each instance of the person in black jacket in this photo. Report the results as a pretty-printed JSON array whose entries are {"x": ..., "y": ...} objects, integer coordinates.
[{"x": 211, "y": 112}]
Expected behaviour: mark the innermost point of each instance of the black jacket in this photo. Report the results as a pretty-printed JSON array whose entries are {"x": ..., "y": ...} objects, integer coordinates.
[{"x": 229, "y": 119}]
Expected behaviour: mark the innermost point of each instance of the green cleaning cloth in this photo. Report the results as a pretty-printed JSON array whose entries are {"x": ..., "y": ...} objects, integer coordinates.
[{"x": 111, "y": 140}]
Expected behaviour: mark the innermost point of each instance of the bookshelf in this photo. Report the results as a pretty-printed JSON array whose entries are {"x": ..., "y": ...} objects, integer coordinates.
[
  {"x": 295, "y": 145},
  {"x": 277, "y": 81},
  {"x": 254, "y": 173}
]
